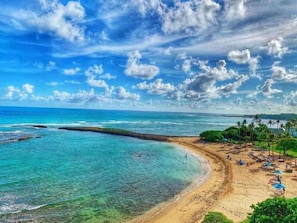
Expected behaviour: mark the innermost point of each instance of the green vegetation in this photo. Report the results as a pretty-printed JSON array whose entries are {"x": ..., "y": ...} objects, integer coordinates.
[
  {"x": 275, "y": 210},
  {"x": 279, "y": 139},
  {"x": 212, "y": 136},
  {"x": 216, "y": 217}
]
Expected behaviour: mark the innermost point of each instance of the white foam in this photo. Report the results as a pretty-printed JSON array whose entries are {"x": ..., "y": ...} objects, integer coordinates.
[{"x": 9, "y": 204}]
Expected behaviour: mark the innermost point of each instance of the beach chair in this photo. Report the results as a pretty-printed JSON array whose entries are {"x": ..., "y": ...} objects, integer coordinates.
[{"x": 279, "y": 192}]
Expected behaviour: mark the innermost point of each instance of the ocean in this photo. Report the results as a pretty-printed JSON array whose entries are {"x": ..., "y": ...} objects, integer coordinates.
[{"x": 53, "y": 175}]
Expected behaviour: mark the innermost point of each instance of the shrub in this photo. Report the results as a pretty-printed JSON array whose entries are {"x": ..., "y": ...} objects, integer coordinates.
[
  {"x": 275, "y": 210},
  {"x": 216, "y": 217},
  {"x": 212, "y": 136}
]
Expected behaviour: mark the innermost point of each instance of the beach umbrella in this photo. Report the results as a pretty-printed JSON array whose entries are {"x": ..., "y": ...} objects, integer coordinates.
[
  {"x": 279, "y": 186},
  {"x": 279, "y": 172}
]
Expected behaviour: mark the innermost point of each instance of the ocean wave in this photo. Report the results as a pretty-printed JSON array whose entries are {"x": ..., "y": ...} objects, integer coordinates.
[
  {"x": 9, "y": 205},
  {"x": 142, "y": 122}
]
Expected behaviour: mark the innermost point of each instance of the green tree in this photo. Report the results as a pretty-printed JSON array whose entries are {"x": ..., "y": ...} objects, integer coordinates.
[
  {"x": 231, "y": 133},
  {"x": 270, "y": 123},
  {"x": 289, "y": 143},
  {"x": 275, "y": 210},
  {"x": 251, "y": 128},
  {"x": 216, "y": 217},
  {"x": 212, "y": 136},
  {"x": 238, "y": 126},
  {"x": 288, "y": 126},
  {"x": 277, "y": 123},
  {"x": 257, "y": 119}
]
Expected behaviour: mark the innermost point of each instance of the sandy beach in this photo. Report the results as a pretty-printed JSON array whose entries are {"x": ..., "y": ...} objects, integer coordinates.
[{"x": 230, "y": 188}]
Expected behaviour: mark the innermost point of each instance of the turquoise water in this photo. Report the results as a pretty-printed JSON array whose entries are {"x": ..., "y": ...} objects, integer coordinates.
[{"x": 66, "y": 176}]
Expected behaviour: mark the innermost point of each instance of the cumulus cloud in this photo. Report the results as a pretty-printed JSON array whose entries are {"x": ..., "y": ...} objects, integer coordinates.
[
  {"x": 190, "y": 16},
  {"x": 11, "y": 90},
  {"x": 231, "y": 88},
  {"x": 97, "y": 83},
  {"x": 122, "y": 94},
  {"x": 19, "y": 94},
  {"x": 267, "y": 89},
  {"x": 281, "y": 74},
  {"x": 94, "y": 70},
  {"x": 93, "y": 76},
  {"x": 244, "y": 57},
  {"x": 234, "y": 9},
  {"x": 186, "y": 66},
  {"x": 157, "y": 87},
  {"x": 291, "y": 99},
  {"x": 55, "y": 19},
  {"x": 274, "y": 47},
  {"x": 206, "y": 84},
  {"x": 79, "y": 97},
  {"x": 137, "y": 70},
  {"x": 240, "y": 57},
  {"x": 71, "y": 71},
  {"x": 28, "y": 88}
]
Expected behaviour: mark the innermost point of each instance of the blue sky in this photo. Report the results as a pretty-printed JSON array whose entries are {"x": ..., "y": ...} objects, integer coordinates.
[{"x": 222, "y": 56}]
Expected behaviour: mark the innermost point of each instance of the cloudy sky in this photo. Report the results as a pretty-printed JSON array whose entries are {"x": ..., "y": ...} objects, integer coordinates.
[{"x": 223, "y": 56}]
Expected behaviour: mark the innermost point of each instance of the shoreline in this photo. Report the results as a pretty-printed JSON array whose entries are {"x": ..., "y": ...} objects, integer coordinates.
[
  {"x": 196, "y": 200},
  {"x": 154, "y": 214},
  {"x": 230, "y": 189}
]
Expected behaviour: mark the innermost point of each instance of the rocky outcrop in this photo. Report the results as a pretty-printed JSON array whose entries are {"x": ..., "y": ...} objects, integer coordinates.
[{"x": 120, "y": 132}]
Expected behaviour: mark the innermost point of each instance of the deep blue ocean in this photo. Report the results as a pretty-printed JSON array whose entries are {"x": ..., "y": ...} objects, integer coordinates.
[{"x": 68, "y": 176}]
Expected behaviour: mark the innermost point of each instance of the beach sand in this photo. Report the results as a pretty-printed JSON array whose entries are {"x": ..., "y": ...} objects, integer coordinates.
[{"x": 230, "y": 188}]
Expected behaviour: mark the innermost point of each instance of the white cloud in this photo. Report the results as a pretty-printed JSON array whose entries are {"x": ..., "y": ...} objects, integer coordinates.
[
  {"x": 92, "y": 73},
  {"x": 19, "y": 94},
  {"x": 122, "y": 94},
  {"x": 137, "y": 70},
  {"x": 11, "y": 90},
  {"x": 51, "y": 66},
  {"x": 97, "y": 82},
  {"x": 240, "y": 57},
  {"x": 207, "y": 84},
  {"x": 72, "y": 82},
  {"x": 235, "y": 9},
  {"x": 55, "y": 19},
  {"x": 71, "y": 71},
  {"x": 267, "y": 89},
  {"x": 108, "y": 76},
  {"x": 186, "y": 66},
  {"x": 281, "y": 74},
  {"x": 244, "y": 57},
  {"x": 94, "y": 70},
  {"x": 28, "y": 88},
  {"x": 274, "y": 47},
  {"x": 291, "y": 99},
  {"x": 157, "y": 87},
  {"x": 79, "y": 97},
  {"x": 231, "y": 88},
  {"x": 53, "y": 83},
  {"x": 168, "y": 51},
  {"x": 190, "y": 16}
]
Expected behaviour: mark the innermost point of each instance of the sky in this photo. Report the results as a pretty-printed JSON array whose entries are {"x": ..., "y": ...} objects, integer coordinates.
[{"x": 214, "y": 56}]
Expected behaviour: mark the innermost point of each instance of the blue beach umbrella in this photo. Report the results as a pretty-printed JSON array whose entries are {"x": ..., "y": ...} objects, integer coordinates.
[
  {"x": 279, "y": 186},
  {"x": 279, "y": 172}
]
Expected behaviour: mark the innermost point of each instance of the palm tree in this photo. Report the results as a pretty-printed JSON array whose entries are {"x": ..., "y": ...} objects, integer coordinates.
[
  {"x": 277, "y": 123},
  {"x": 243, "y": 125},
  {"x": 238, "y": 125},
  {"x": 251, "y": 128},
  {"x": 270, "y": 123},
  {"x": 288, "y": 126}
]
